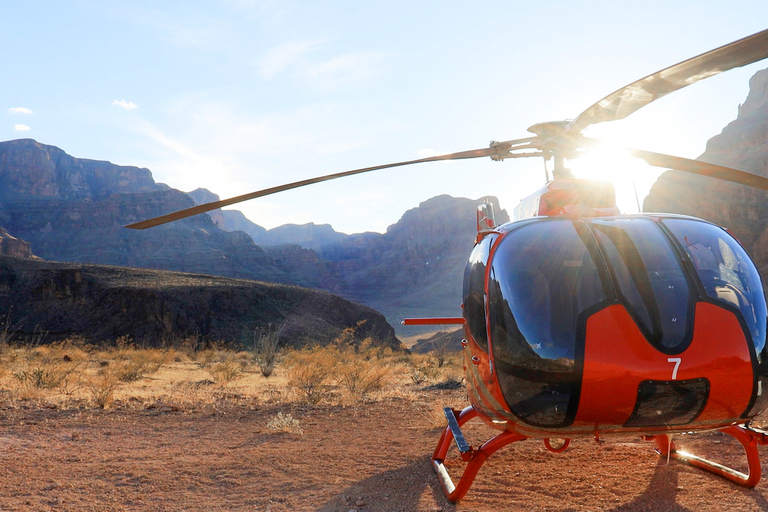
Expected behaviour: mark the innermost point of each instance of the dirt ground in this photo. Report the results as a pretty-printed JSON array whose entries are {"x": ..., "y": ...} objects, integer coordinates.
[{"x": 369, "y": 457}]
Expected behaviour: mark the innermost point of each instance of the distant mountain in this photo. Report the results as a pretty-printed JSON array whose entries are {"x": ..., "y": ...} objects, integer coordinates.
[
  {"x": 743, "y": 144},
  {"x": 12, "y": 246},
  {"x": 414, "y": 269},
  {"x": 309, "y": 236},
  {"x": 71, "y": 209},
  {"x": 156, "y": 307}
]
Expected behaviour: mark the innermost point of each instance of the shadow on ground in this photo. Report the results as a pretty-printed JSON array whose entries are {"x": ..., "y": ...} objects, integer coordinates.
[{"x": 407, "y": 489}]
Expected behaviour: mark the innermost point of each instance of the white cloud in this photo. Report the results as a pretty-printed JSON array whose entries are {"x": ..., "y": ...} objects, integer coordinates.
[
  {"x": 285, "y": 56},
  {"x": 344, "y": 70},
  {"x": 127, "y": 105},
  {"x": 20, "y": 110},
  {"x": 21, "y": 128}
]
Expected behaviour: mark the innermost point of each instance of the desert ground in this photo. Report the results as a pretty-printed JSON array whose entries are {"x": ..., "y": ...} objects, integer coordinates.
[{"x": 179, "y": 436}]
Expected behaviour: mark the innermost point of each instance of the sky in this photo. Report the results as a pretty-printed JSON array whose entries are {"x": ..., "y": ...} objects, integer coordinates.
[{"x": 240, "y": 95}]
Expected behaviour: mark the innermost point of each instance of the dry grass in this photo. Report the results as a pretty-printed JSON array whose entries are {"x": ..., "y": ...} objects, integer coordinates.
[{"x": 72, "y": 374}]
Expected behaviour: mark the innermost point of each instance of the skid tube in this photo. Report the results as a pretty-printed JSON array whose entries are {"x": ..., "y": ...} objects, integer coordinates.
[
  {"x": 749, "y": 438},
  {"x": 473, "y": 457}
]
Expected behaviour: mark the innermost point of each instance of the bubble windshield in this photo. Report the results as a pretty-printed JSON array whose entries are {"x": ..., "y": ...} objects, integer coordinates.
[
  {"x": 542, "y": 278},
  {"x": 548, "y": 276},
  {"x": 725, "y": 270}
]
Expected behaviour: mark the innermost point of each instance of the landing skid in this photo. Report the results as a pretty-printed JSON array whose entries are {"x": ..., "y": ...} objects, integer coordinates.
[
  {"x": 473, "y": 457},
  {"x": 749, "y": 438}
]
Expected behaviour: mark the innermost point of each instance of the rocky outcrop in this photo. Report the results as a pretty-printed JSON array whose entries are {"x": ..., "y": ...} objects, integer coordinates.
[
  {"x": 156, "y": 307},
  {"x": 12, "y": 246},
  {"x": 71, "y": 209},
  {"x": 414, "y": 269},
  {"x": 29, "y": 169},
  {"x": 445, "y": 341},
  {"x": 743, "y": 144}
]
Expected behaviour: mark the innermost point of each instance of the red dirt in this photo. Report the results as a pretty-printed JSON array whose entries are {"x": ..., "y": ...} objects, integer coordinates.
[{"x": 371, "y": 457}]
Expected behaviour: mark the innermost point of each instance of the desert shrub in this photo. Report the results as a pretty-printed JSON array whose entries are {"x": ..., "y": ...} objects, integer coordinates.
[
  {"x": 357, "y": 370},
  {"x": 47, "y": 367},
  {"x": 362, "y": 377},
  {"x": 102, "y": 387},
  {"x": 131, "y": 364},
  {"x": 310, "y": 374},
  {"x": 7, "y": 331},
  {"x": 207, "y": 357},
  {"x": 440, "y": 349},
  {"x": 226, "y": 371},
  {"x": 285, "y": 423},
  {"x": 425, "y": 371},
  {"x": 43, "y": 376},
  {"x": 266, "y": 348}
]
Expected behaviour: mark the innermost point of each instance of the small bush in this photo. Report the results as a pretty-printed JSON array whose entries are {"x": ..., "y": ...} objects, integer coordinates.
[
  {"x": 310, "y": 373},
  {"x": 44, "y": 374},
  {"x": 6, "y": 332},
  {"x": 207, "y": 357},
  {"x": 266, "y": 348},
  {"x": 360, "y": 378},
  {"x": 102, "y": 387},
  {"x": 425, "y": 372},
  {"x": 226, "y": 371},
  {"x": 135, "y": 364},
  {"x": 285, "y": 423}
]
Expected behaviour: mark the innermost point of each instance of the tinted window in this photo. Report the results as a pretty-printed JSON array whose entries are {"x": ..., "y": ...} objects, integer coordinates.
[
  {"x": 542, "y": 278},
  {"x": 649, "y": 275},
  {"x": 474, "y": 291},
  {"x": 725, "y": 270}
]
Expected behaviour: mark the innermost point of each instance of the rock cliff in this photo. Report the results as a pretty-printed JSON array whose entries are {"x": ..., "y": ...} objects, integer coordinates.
[
  {"x": 157, "y": 307},
  {"x": 414, "y": 269},
  {"x": 12, "y": 246},
  {"x": 743, "y": 144},
  {"x": 72, "y": 209}
]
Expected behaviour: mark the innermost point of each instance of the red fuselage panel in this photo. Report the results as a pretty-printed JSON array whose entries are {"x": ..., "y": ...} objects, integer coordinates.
[{"x": 617, "y": 358}]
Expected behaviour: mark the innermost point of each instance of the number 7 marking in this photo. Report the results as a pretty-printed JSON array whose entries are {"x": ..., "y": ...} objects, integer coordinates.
[{"x": 677, "y": 361}]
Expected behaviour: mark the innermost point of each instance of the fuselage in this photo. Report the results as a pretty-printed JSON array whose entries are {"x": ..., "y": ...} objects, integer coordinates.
[{"x": 590, "y": 325}]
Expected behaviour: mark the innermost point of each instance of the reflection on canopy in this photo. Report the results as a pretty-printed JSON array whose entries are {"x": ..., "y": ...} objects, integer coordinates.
[{"x": 548, "y": 276}]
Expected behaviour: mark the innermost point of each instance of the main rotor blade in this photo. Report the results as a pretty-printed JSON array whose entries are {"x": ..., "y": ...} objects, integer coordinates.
[
  {"x": 702, "y": 168},
  {"x": 636, "y": 95},
  {"x": 182, "y": 214}
]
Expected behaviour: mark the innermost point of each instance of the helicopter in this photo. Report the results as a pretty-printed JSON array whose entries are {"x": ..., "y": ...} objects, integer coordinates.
[{"x": 572, "y": 298}]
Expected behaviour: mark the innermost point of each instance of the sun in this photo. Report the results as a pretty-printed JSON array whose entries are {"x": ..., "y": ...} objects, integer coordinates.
[{"x": 631, "y": 177}]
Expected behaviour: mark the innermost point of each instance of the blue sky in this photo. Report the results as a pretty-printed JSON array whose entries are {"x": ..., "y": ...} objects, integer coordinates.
[{"x": 239, "y": 95}]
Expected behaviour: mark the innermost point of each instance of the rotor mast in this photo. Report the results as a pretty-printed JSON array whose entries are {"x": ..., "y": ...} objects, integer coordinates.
[{"x": 552, "y": 134}]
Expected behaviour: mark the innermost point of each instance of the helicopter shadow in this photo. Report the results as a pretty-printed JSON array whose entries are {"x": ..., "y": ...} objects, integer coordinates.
[
  {"x": 410, "y": 487},
  {"x": 663, "y": 490},
  {"x": 661, "y": 493},
  {"x": 414, "y": 487}
]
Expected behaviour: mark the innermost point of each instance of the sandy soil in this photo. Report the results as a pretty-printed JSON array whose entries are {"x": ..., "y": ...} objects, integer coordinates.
[{"x": 371, "y": 457}]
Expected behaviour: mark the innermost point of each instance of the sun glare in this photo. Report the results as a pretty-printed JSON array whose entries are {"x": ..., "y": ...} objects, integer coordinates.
[{"x": 631, "y": 177}]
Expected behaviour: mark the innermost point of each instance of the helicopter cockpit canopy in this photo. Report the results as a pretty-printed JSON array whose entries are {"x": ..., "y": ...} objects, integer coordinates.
[{"x": 547, "y": 276}]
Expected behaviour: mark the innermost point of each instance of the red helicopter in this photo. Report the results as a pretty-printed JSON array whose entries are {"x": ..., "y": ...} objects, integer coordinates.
[{"x": 572, "y": 298}]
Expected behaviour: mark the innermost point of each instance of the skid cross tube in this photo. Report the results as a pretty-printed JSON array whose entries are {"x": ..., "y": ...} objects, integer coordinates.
[
  {"x": 749, "y": 439},
  {"x": 474, "y": 457}
]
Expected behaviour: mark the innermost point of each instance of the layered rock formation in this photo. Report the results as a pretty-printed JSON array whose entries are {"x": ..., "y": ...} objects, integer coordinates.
[
  {"x": 157, "y": 307},
  {"x": 72, "y": 209},
  {"x": 414, "y": 269},
  {"x": 743, "y": 144},
  {"x": 12, "y": 246}
]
